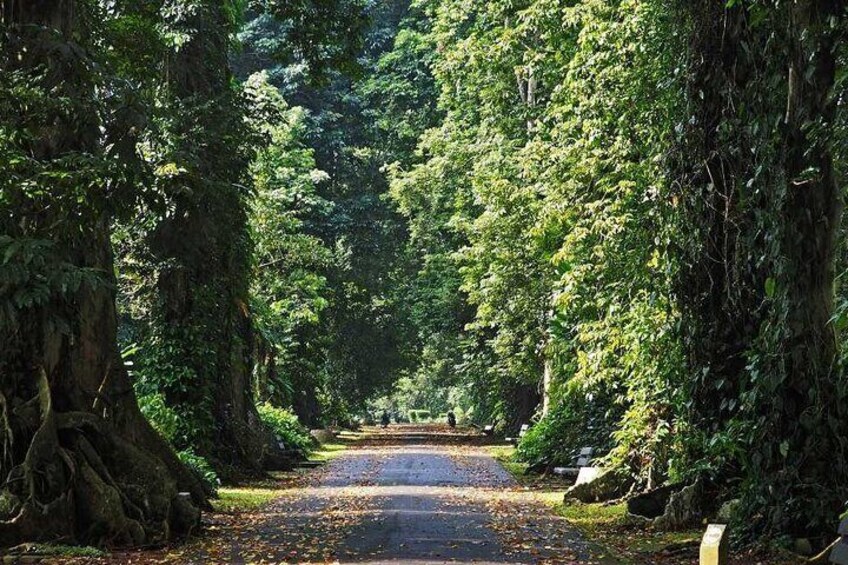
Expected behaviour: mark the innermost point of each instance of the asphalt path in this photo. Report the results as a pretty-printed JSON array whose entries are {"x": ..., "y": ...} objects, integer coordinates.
[{"x": 433, "y": 500}]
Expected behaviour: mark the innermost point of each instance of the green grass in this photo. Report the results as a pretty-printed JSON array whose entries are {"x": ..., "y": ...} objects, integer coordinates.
[
  {"x": 505, "y": 455},
  {"x": 258, "y": 494},
  {"x": 609, "y": 521},
  {"x": 589, "y": 518},
  {"x": 607, "y": 526},
  {"x": 501, "y": 452},
  {"x": 328, "y": 452},
  {"x": 56, "y": 550},
  {"x": 240, "y": 499}
]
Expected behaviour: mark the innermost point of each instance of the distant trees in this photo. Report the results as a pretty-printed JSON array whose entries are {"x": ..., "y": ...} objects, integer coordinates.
[
  {"x": 357, "y": 344},
  {"x": 290, "y": 293}
]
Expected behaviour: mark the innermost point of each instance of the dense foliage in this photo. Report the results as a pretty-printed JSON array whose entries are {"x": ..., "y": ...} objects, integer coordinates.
[
  {"x": 226, "y": 222},
  {"x": 286, "y": 427},
  {"x": 647, "y": 241}
]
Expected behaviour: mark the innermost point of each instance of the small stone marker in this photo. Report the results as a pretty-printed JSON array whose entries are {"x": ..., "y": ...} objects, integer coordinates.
[
  {"x": 322, "y": 436},
  {"x": 839, "y": 555},
  {"x": 588, "y": 474},
  {"x": 714, "y": 545}
]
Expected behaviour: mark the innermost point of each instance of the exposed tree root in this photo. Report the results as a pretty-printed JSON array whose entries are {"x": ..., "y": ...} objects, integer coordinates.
[{"x": 79, "y": 480}]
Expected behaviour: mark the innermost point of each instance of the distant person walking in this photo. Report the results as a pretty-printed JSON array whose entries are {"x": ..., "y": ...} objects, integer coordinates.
[
  {"x": 384, "y": 419},
  {"x": 451, "y": 419}
]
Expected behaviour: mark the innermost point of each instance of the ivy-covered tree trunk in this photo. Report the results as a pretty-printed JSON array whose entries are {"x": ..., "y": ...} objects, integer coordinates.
[
  {"x": 719, "y": 291},
  {"x": 202, "y": 339},
  {"x": 803, "y": 408},
  {"x": 78, "y": 461},
  {"x": 761, "y": 199}
]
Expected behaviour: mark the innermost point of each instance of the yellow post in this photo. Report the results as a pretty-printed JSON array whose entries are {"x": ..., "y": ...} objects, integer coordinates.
[{"x": 714, "y": 545}]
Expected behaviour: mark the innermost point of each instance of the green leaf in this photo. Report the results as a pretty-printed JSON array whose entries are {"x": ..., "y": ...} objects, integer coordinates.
[{"x": 771, "y": 287}]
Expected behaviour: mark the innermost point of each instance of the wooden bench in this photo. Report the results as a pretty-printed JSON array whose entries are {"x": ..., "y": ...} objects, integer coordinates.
[
  {"x": 521, "y": 433},
  {"x": 583, "y": 458}
]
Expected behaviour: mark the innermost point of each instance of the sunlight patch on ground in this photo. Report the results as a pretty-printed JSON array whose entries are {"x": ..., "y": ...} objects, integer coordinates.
[
  {"x": 328, "y": 452},
  {"x": 243, "y": 499}
]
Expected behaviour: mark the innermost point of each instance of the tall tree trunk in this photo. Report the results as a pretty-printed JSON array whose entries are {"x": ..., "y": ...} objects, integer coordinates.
[
  {"x": 757, "y": 290},
  {"x": 306, "y": 405},
  {"x": 720, "y": 293},
  {"x": 78, "y": 460},
  {"x": 204, "y": 249},
  {"x": 523, "y": 401},
  {"x": 804, "y": 414}
]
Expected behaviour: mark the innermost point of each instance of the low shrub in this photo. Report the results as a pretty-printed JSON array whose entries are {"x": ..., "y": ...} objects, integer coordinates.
[
  {"x": 573, "y": 423},
  {"x": 202, "y": 469},
  {"x": 286, "y": 427},
  {"x": 416, "y": 416}
]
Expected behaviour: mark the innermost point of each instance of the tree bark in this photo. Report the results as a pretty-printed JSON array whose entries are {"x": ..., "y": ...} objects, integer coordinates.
[
  {"x": 523, "y": 400},
  {"x": 78, "y": 460},
  {"x": 757, "y": 286},
  {"x": 809, "y": 425},
  {"x": 719, "y": 290},
  {"x": 203, "y": 248}
]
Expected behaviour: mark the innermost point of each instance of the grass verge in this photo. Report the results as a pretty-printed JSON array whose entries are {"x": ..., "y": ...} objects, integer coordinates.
[
  {"x": 327, "y": 452},
  {"x": 254, "y": 496},
  {"x": 245, "y": 499},
  {"x": 607, "y": 525}
]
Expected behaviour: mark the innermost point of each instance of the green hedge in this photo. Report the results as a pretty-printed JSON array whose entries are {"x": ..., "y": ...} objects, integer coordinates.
[
  {"x": 420, "y": 416},
  {"x": 285, "y": 426}
]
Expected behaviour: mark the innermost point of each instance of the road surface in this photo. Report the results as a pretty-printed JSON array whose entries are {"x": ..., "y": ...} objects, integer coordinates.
[{"x": 400, "y": 496}]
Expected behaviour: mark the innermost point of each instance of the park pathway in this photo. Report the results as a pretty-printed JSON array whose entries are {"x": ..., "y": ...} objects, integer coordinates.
[
  {"x": 437, "y": 498},
  {"x": 404, "y": 495}
]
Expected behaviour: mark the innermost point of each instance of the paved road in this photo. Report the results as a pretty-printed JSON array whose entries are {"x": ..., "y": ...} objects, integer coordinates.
[
  {"x": 398, "y": 497},
  {"x": 449, "y": 504}
]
